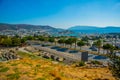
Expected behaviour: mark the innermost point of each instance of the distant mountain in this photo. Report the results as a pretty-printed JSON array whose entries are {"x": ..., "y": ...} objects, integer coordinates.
[
  {"x": 95, "y": 29},
  {"x": 4, "y": 26},
  {"x": 82, "y": 27}
]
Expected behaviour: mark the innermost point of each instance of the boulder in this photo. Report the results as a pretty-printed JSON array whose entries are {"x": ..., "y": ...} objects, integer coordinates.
[
  {"x": 8, "y": 55},
  {"x": 60, "y": 59},
  {"x": 39, "y": 54},
  {"x": 52, "y": 57},
  {"x": 46, "y": 56}
]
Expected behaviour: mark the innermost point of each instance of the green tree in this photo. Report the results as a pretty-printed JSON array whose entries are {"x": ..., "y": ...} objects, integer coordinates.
[
  {"x": 98, "y": 44},
  {"x": 1, "y": 40},
  {"x": 51, "y": 39},
  {"x": 23, "y": 40},
  {"x": 85, "y": 39},
  {"x": 16, "y": 41},
  {"x": 80, "y": 44},
  {"x": 61, "y": 41},
  {"x": 30, "y": 38},
  {"x": 74, "y": 40},
  {"x": 114, "y": 65},
  {"x": 109, "y": 47},
  {"x": 69, "y": 41},
  {"x": 7, "y": 42},
  {"x": 41, "y": 38}
]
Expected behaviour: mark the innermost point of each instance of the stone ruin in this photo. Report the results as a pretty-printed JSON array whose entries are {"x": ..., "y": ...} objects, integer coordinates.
[{"x": 6, "y": 55}]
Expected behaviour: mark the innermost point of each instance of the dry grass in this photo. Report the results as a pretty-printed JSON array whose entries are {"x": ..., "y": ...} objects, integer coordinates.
[{"x": 42, "y": 69}]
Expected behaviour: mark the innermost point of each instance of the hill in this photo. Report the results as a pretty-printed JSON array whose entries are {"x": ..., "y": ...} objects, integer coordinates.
[
  {"x": 31, "y": 67},
  {"x": 4, "y": 26},
  {"x": 95, "y": 29}
]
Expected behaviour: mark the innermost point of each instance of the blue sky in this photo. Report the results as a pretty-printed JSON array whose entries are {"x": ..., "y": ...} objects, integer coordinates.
[{"x": 61, "y": 13}]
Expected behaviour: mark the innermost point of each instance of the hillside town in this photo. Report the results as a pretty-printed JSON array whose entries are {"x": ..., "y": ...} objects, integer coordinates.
[{"x": 91, "y": 51}]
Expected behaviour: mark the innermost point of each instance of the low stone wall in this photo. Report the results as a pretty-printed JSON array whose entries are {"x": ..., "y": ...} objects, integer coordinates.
[
  {"x": 30, "y": 49},
  {"x": 60, "y": 56}
]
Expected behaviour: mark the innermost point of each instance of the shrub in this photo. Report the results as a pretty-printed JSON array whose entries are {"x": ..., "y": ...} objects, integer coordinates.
[
  {"x": 57, "y": 78},
  {"x": 114, "y": 66},
  {"x": 81, "y": 63},
  {"x": 5, "y": 69},
  {"x": 96, "y": 62},
  {"x": 40, "y": 79},
  {"x": 14, "y": 64},
  {"x": 13, "y": 76},
  {"x": 38, "y": 65}
]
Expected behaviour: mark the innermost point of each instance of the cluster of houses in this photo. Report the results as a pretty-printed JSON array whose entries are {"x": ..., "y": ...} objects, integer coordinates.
[{"x": 23, "y": 32}]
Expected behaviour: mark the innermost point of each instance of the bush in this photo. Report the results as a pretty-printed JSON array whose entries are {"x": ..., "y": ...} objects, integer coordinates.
[
  {"x": 14, "y": 64},
  {"x": 5, "y": 69},
  {"x": 96, "y": 62},
  {"x": 38, "y": 65},
  {"x": 114, "y": 66},
  {"x": 40, "y": 79},
  {"x": 13, "y": 76},
  {"x": 57, "y": 78},
  {"x": 81, "y": 63}
]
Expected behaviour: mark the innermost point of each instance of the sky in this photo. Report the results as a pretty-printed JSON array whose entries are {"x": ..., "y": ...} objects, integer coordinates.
[{"x": 61, "y": 13}]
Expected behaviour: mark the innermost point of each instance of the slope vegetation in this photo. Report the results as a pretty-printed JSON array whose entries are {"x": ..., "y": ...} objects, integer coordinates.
[{"x": 32, "y": 67}]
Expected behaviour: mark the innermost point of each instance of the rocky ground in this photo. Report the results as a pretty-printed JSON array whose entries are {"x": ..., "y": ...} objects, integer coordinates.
[{"x": 8, "y": 54}]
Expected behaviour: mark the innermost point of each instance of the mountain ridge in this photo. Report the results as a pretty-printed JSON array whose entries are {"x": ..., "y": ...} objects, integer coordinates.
[
  {"x": 95, "y": 29},
  {"x": 4, "y": 26},
  {"x": 47, "y": 28}
]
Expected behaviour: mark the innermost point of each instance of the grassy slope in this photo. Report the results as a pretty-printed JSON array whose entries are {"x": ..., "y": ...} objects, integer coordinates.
[{"x": 34, "y": 68}]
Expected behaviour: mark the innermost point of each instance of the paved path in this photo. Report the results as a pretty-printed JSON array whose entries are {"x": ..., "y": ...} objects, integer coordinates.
[{"x": 23, "y": 50}]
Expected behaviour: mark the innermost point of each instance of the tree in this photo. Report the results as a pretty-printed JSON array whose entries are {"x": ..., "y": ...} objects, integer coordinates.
[
  {"x": 109, "y": 48},
  {"x": 98, "y": 44},
  {"x": 106, "y": 47},
  {"x": 41, "y": 38},
  {"x": 23, "y": 40},
  {"x": 69, "y": 41},
  {"x": 114, "y": 65},
  {"x": 7, "y": 42},
  {"x": 1, "y": 41},
  {"x": 85, "y": 39},
  {"x": 80, "y": 44},
  {"x": 51, "y": 39},
  {"x": 74, "y": 40},
  {"x": 16, "y": 41},
  {"x": 30, "y": 38},
  {"x": 61, "y": 41}
]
